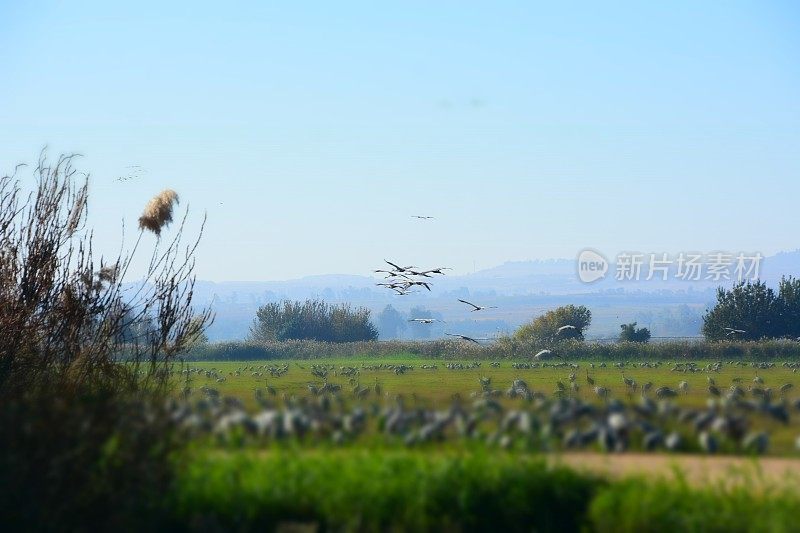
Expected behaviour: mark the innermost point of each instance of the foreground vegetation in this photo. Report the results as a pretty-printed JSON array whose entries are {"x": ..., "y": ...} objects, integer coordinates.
[
  {"x": 362, "y": 490},
  {"x": 85, "y": 442}
]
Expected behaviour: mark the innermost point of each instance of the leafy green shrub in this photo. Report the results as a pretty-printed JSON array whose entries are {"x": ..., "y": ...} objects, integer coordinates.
[
  {"x": 563, "y": 323},
  {"x": 312, "y": 320},
  {"x": 752, "y": 311},
  {"x": 630, "y": 333},
  {"x": 748, "y": 311}
]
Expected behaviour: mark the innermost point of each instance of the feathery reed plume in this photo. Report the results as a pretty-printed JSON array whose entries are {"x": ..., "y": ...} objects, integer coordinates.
[
  {"x": 158, "y": 211},
  {"x": 108, "y": 273}
]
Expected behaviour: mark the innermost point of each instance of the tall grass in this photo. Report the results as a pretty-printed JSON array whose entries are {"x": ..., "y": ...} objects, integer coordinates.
[
  {"x": 501, "y": 349},
  {"x": 635, "y": 505}
]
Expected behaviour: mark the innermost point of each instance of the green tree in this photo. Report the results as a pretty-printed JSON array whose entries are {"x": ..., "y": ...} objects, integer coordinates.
[
  {"x": 350, "y": 325},
  {"x": 748, "y": 311},
  {"x": 312, "y": 320},
  {"x": 630, "y": 333},
  {"x": 546, "y": 327},
  {"x": 789, "y": 303}
]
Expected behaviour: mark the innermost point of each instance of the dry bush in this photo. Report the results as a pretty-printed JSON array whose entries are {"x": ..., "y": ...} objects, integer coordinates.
[{"x": 63, "y": 311}]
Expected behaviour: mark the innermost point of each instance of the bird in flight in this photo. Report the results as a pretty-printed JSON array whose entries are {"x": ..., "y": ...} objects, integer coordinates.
[
  {"x": 134, "y": 171},
  {"x": 422, "y": 217},
  {"x": 405, "y": 284},
  {"x": 401, "y": 290},
  {"x": 565, "y": 328},
  {"x": 732, "y": 331},
  {"x": 437, "y": 270},
  {"x": 424, "y": 320},
  {"x": 421, "y": 274},
  {"x": 545, "y": 353},
  {"x": 478, "y": 307},
  {"x": 427, "y": 273},
  {"x": 463, "y": 337},
  {"x": 398, "y": 268},
  {"x": 411, "y": 283}
]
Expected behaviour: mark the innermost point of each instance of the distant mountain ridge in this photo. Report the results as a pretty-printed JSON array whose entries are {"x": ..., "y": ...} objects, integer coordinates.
[{"x": 553, "y": 276}]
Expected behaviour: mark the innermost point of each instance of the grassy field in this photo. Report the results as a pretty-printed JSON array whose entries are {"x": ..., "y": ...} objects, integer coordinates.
[
  {"x": 439, "y": 384},
  {"x": 431, "y": 384}
]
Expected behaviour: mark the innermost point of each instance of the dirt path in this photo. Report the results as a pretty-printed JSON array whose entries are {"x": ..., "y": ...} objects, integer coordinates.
[{"x": 697, "y": 469}]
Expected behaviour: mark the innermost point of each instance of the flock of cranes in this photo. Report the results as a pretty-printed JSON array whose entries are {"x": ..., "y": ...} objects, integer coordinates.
[
  {"x": 132, "y": 172},
  {"x": 643, "y": 416},
  {"x": 402, "y": 279}
]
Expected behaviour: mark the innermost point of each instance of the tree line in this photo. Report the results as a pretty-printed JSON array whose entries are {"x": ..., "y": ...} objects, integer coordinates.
[{"x": 749, "y": 311}]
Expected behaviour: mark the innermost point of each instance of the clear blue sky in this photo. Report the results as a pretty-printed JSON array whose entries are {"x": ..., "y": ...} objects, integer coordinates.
[{"x": 311, "y": 132}]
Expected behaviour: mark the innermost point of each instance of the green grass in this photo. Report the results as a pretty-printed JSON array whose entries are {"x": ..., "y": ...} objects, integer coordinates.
[
  {"x": 440, "y": 384},
  {"x": 634, "y": 505},
  {"x": 363, "y": 490},
  {"x": 360, "y": 490}
]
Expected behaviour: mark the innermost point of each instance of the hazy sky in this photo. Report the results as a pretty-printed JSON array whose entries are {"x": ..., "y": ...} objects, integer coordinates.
[{"x": 311, "y": 132}]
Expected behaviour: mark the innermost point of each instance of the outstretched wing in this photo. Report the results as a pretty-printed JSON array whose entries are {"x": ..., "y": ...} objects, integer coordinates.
[
  {"x": 469, "y": 303},
  {"x": 393, "y": 265}
]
